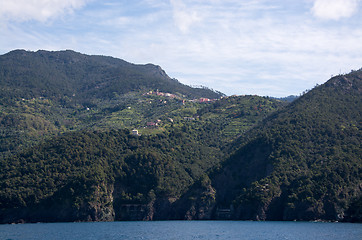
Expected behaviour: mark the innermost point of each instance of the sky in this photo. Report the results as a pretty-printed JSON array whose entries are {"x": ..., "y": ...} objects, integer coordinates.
[{"x": 262, "y": 47}]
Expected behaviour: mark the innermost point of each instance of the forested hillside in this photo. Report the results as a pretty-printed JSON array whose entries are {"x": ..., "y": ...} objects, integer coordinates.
[
  {"x": 45, "y": 94},
  {"x": 69, "y": 148},
  {"x": 72, "y": 78},
  {"x": 301, "y": 163},
  {"x": 93, "y": 138},
  {"x": 93, "y": 173}
]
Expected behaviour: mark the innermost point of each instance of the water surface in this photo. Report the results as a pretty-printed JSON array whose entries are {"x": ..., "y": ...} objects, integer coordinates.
[{"x": 209, "y": 230}]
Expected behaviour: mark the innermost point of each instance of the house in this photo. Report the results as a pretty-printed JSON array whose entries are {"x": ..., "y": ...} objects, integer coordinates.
[
  {"x": 151, "y": 124},
  {"x": 201, "y": 100},
  {"x": 135, "y": 132},
  {"x": 189, "y": 118}
]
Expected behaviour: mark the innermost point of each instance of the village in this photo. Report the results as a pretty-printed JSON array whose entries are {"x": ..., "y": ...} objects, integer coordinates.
[
  {"x": 174, "y": 96},
  {"x": 158, "y": 122}
]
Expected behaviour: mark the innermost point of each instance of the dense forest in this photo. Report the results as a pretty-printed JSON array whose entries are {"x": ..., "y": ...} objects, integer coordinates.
[
  {"x": 162, "y": 162},
  {"x": 73, "y": 78},
  {"x": 94, "y": 138},
  {"x": 301, "y": 163}
]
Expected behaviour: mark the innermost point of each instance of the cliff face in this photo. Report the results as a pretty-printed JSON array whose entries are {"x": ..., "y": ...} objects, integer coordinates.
[
  {"x": 66, "y": 206},
  {"x": 196, "y": 204},
  {"x": 212, "y": 198}
]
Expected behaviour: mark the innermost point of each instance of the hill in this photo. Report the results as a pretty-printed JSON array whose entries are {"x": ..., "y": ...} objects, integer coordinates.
[
  {"x": 303, "y": 162},
  {"x": 94, "y": 174},
  {"x": 69, "y": 146},
  {"x": 43, "y": 94},
  {"x": 68, "y": 76},
  {"x": 94, "y": 138}
]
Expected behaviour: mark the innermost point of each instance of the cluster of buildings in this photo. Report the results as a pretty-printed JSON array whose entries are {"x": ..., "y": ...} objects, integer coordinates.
[
  {"x": 203, "y": 100},
  {"x": 156, "y": 123},
  {"x": 170, "y": 95},
  {"x": 158, "y": 93}
]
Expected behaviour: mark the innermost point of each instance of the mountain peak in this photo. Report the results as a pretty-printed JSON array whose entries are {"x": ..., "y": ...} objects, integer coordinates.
[{"x": 349, "y": 82}]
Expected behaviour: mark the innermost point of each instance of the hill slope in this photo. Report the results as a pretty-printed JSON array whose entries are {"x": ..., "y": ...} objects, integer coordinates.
[
  {"x": 67, "y": 74},
  {"x": 45, "y": 93},
  {"x": 66, "y": 145},
  {"x": 97, "y": 174},
  {"x": 303, "y": 162}
]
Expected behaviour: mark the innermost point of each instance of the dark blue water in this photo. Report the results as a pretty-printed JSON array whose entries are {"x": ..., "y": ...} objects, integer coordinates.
[{"x": 183, "y": 230}]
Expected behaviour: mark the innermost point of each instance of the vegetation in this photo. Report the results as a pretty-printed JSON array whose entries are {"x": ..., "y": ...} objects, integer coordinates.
[
  {"x": 68, "y": 144},
  {"x": 74, "y": 78},
  {"x": 48, "y": 93},
  {"x": 303, "y": 162},
  {"x": 78, "y": 149}
]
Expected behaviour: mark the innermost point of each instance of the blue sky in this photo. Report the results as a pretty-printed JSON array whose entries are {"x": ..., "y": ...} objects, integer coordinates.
[{"x": 263, "y": 47}]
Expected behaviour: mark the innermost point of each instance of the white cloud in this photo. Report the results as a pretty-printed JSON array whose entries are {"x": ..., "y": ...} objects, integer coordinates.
[
  {"x": 39, "y": 10},
  {"x": 334, "y": 9},
  {"x": 261, "y": 47},
  {"x": 249, "y": 48},
  {"x": 183, "y": 16}
]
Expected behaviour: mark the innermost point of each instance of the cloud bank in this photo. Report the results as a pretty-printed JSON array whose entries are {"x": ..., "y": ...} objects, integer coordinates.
[
  {"x": 39, "y": 10},
  {"x": 264, "y": 47},
  {"x": 334, "y": 9}
]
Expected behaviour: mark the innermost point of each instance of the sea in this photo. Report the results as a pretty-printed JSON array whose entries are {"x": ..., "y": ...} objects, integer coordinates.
[{"x": 246, "y": 230}]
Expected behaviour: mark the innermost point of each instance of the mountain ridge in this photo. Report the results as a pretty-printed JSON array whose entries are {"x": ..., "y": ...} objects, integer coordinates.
[{"x": 41, "y": 73}]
